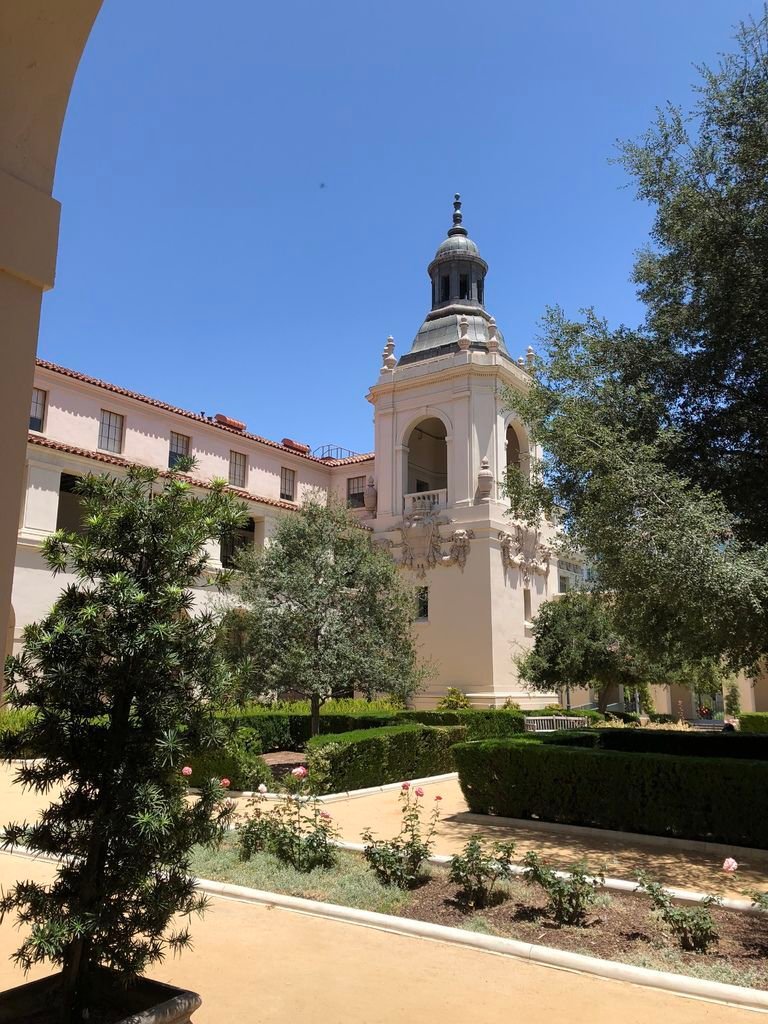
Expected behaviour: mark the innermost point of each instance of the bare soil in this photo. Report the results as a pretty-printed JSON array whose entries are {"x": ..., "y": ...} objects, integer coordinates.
[{"x": 621, "y": 928}]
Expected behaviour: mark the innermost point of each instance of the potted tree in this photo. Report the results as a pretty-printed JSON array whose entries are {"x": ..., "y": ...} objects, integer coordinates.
[{"x": 120, "y": 672}]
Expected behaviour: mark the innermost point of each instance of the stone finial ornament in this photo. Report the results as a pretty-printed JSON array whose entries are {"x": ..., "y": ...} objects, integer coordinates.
[
  {"x": 520, "y": 361},
  {"x": 463, "y": 334},
  {"x": 369, "y": 497},
  {"x": 530, "y": 357},
  {"x": 493, "y": 340},
  {"x": 484, "y": 481},
  {"x": 388, "y": 355}
]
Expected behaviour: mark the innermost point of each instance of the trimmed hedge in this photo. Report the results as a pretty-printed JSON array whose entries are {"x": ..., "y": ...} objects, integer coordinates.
[
  {"x": 13, "y": 723},
  {"x": 374, "y": 757},
  {"x": 715, "y": 799},
  {"x": 480, "y": 724},
  {"x": 244, "y": 771},
  {"x": 754, "y": 722},
  {"x": 685, "y": 744},
  {"x": 281, "y": 730}
]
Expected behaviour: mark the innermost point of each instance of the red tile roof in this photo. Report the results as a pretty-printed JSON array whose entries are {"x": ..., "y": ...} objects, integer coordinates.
[
  {"x": 115, "y": 389},
  {"x": 118, "y": 460}
]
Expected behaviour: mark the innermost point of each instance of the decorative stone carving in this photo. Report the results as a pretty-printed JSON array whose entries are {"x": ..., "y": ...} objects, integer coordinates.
[
  {"x": 369, "y": 497},
  {"x": 525, "y": 551},
  {"x": 493, "y": 341},
  {"x": 484, "y": 481},
  {"x": 422, "y": 546},
  {"x": 463, "y": 334},
  {"x": 530, "y": 357},
  {"x": 459, "y": 541},
  {"x": 388, "y": 355}
]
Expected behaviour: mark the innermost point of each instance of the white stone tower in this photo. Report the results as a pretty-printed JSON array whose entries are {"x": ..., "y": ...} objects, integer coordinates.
[{"x": 444, "y": 437}]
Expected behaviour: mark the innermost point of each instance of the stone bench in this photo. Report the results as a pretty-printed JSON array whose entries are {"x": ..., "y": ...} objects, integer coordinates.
[{"x": 551, "y": 723}]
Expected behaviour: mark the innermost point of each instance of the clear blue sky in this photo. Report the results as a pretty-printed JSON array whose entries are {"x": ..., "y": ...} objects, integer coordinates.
[{"x": 252, "y": 191}]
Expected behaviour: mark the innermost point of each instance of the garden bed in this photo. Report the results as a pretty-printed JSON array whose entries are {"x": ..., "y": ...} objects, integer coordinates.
[{"x": 621, "y": 928}]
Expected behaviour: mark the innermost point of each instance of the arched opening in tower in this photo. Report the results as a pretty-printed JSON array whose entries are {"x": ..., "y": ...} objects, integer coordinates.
[
  {"x": 513, "y": 449},
  {"x": 427, "y": 457}
]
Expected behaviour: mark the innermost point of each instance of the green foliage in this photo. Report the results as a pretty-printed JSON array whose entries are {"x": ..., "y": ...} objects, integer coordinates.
[
  {"x": 684, "y": 743},
  {"x": 453, "y": 700},
  {"x": 399, "y": 862},
  {"x": 14, "y": 723},
  {"x": 478, "y": 868},
  {"x": 714, "y": 799},
  {"x": 732, "y": 700},
  {"x": 693, "y": 927},
  {"x": 120, "y": 670},
  {"x": 340, "y": 706},
  {"x": 238, "y": 762},
  {"x": 325, "y": 612},
  {"x": 753, "y": 722},
  {"x": 570, "y": 894},
  {"x": 375, "y": 757},
  {"x": 656, "y": 438},
  {"x": 480, "y": 724},
  {"x": 297, "y": 830}
]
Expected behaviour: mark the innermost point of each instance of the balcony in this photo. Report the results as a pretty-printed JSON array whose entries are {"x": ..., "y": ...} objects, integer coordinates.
[{"x": 425, "y": 501}]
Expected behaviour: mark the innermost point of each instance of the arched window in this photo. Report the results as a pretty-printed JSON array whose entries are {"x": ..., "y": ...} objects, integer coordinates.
[
  {"x": 513, "y": 448},
  {"x": 427, "y": 471}
]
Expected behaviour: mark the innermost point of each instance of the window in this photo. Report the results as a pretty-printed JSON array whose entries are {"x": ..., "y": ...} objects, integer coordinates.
[
  {"x": 237, "y": 467},
  {"x": 422, "y": 603},
  {"x": 564, "y": 584},
  {"x": 37, "y": 411},
  {"x": 111, "y": 431},
  {"x": 527, "y": 604},
  {"x": 235, "y": 541},
  {"x": 355, "y": 491},
  {"x": 445, "y": 288},
  {"x": 480, "y": 292},
  {"x": 69, "y": 515},
  {"x": 463, "y": 286},
  {"x": 287, "y": 484},
  {"x": 178, "y": 448}
]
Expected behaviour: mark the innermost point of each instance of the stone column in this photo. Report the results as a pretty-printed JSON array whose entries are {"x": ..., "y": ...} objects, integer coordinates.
[{"x": 40, "y": 46}]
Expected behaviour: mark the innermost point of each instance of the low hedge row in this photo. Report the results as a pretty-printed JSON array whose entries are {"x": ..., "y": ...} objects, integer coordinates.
[
  {"x": 754, "y": 722},
  {"x": 281, "y": 730},
  {"x": 480, "y": 724},
  {"x": 657, "y": 741},
  {"x": 716, "y": 799},
  {"x": 244, "y": 771},
  {"x": 374, "y": 757}
]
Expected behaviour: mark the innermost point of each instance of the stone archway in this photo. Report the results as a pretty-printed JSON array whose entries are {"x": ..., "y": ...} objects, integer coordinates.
[{"x": 41, "y": 42}]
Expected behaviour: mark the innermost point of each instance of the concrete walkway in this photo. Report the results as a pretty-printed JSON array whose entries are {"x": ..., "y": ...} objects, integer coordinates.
[{"x": 270, "y": 966}]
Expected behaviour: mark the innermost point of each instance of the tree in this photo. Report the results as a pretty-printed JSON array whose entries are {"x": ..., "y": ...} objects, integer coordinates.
[
  {"x": 119, "y": 671},
  {"x": 578, "y": 643},
  {"x": 323, "y": 611},
  {"x": 656, "y": 438}
]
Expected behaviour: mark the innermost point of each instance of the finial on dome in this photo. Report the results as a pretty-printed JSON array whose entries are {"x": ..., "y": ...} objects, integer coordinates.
[
  {"x": 388, "y": 355},
  {"x": 457, "y": 228}
]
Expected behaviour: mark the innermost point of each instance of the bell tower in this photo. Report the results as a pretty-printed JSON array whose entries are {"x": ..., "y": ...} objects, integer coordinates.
[{"x": 444, "y": 435}]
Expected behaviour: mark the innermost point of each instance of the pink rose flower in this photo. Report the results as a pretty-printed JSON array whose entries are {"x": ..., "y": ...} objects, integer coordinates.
[
  {"x": 325, "y": 816},
  {"x": 262, "y": 788},
  {"x": 730, "y": 865},
  {"x": 225, "y": 783},
  {"x": 186, "y": 770},
  {"x": 300, "y": 772},
  {"x": 438, "y": 798},
  {"x": 419, "y": 791},
  {"x": 406, "y": 786}
]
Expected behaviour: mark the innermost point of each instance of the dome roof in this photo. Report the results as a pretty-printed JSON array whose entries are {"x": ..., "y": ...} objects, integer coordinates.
[{"x": 455, "y": 244}]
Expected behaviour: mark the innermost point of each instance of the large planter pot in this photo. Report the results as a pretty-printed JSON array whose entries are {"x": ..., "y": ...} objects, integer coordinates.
[{"x": 146, "y": 1002}]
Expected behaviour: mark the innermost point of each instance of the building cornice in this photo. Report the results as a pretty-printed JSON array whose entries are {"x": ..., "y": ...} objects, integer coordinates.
[{"x": 400, "y": 379}]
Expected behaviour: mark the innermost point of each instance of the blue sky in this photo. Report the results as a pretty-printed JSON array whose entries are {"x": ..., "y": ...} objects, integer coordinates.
[{"x": 252, "y": 192}]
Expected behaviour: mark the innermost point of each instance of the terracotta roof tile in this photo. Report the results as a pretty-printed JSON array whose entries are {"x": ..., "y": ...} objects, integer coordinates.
[
  {"x": 115, "y": 389},
  {"x": 118, "y": 460}
]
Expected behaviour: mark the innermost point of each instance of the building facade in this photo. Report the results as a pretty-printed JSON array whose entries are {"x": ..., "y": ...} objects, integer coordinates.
[{"x": 431, "y": 492}]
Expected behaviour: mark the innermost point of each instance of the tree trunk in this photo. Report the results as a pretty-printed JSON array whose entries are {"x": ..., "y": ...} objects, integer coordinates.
[{"x": 314, "y": 703}]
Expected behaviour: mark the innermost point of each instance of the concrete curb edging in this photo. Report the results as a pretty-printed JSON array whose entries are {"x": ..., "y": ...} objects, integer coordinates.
[
  {"x": 678, "y": 984},
  {"x": 352, "y": 794}
]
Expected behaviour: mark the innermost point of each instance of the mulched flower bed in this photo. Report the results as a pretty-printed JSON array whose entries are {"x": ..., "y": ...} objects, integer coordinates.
[{"x": 623, "y": 929}]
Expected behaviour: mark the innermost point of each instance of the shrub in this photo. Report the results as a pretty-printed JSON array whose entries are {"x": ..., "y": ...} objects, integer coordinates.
[
  {"x": 570, "y": 896},
  {"x": 297, "y": 830},
  {"x": 288, "y": 730},
  {"x": 685, "y": 743},
  {"x": 478, "y": 868},
  {"x": 480, "y": 723},
  {"x": 732, "y": 700},
  {"x": 572, "y": 738},
  {"x": 14, "y": 725},
  {"x": 374, "y": 757},
  {"x": 453, "y": 700},
  {"x": 714, "y": 799},
  {"x": 693, "y": 927},
  {"x": 398, "y": 862},
  {"x": 242, "y": 766},
  {"x": 754, "y": 721}
]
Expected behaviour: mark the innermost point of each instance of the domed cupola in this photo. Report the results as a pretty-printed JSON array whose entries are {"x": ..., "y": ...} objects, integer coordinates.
[{"x": 458, "y": 309}]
